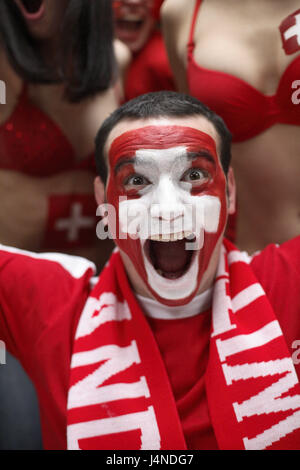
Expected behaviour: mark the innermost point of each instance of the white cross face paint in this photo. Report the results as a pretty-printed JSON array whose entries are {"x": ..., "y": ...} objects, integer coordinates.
[
  {"x": 166, "y": 206},
  {"x": 172, "y": 215},
  {"x": 166, "y": 211}
]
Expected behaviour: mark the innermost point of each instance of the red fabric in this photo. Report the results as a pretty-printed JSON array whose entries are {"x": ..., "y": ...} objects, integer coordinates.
[
  {"x": 38, "y": 325},
  {"x": 248, "y": 353},
  {"x": 188, "y": 381},
  {"x": 246, "y": 111},
  {"x": 71, "y": 221},
  {"x": 157, "y": 4},
  {"x": 149, "y": 69},
  {"x": 32, "y": 143},
  {"x": 114, "y": 346}
]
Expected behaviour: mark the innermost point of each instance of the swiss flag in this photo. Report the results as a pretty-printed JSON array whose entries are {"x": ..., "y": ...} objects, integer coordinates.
[
  {"x": 290, "y": 33},
  {"x": 71, "y": 221}
]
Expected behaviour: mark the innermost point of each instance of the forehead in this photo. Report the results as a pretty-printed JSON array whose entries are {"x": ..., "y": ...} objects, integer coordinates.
[{"x": 198, "y": 123}]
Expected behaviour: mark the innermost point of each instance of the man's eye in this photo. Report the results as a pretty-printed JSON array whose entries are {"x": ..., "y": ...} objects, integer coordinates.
[
  {"x": 137, "y": 180},
  {"x": 195, "y": 175}
]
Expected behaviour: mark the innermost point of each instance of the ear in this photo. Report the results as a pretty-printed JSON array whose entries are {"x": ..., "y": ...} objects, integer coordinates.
[
  {"x": 99, "y": 190},
  {"x": 231, "y": 188}
]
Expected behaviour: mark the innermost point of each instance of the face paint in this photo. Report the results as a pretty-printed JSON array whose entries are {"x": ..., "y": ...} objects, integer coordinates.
[
  {"x": 174, "y": 189},
  {"x": 290, "y": 33}
]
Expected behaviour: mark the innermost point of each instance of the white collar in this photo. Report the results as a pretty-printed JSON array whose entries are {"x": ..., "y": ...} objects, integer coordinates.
[{"x": 154, "y": 309}]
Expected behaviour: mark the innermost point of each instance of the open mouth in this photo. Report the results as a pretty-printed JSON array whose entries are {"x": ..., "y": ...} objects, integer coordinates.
[
  {"x": 32, "y": 9},
  {"x": 130, "y": 25},
  {"x": 168, "y": 254}
]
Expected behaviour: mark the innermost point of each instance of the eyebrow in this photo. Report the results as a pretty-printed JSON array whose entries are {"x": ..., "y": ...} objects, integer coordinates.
[
  {"x": 124, "y": 161},
  {"x": 201, "y": 154},
  {"x": 189, "y": 155}
]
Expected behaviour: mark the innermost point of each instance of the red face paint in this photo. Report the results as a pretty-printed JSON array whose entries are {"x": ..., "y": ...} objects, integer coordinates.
[
  {"x": 202, "y": 157},
  {"x": 290, "y": 33}
]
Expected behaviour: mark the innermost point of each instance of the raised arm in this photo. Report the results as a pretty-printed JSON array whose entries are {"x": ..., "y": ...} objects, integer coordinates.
[{"x": 175, "y": 18}]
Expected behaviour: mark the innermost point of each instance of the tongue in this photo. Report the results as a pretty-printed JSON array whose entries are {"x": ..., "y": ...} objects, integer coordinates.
[
  {"x": 169, "y": 257},
  {"x": 32, "y": 6}
]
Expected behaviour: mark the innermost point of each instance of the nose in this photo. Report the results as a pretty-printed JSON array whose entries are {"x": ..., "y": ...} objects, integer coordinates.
[{"x": 167, "y": 204}]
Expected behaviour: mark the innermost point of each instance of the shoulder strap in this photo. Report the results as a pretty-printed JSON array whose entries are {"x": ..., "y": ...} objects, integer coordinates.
[{"x": 191, "y": 43}]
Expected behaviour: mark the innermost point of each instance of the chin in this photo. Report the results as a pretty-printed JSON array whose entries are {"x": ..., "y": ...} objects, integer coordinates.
[
  {"x": 134, "y": 31},
  {"x": 171, "y": 271},
  {"x": 41, "y": 20}
]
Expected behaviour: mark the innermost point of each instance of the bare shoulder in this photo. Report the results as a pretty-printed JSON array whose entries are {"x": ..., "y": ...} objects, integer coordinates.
[
  {"x": 176, "y": 16},
  {"x": 173, "y": 10},
  {"x": 173, "y": 14},
  {"x": 123, "y": 57},
  {"x": 123, "y": 54}
]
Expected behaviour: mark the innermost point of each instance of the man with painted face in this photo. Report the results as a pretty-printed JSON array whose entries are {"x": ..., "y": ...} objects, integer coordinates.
[{"x": 183, "y": 342}]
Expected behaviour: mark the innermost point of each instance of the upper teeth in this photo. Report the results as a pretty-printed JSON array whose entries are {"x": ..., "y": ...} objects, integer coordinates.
[
  {"x": 132, "y": 18},
  {"x": 171, "y": 237}
]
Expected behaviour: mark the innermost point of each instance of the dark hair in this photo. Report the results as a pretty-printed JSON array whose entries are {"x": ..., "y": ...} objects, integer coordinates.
[
  {"x": 161, "y": 104},
  {"x": 86, "y": 61}
]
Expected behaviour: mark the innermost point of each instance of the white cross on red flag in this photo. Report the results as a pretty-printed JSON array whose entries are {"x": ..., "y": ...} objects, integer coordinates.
[
  {"x": 71, "y": 221},
  {"x": 290, "y": 33}
]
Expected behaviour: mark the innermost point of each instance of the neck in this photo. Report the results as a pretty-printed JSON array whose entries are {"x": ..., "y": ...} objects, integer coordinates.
[{"x": 49, "y": 50}]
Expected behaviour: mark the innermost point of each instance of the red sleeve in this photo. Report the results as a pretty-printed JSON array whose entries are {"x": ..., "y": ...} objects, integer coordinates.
[
  {"x": 278, "y": 270},
  {"x": 38, "y": 291}
]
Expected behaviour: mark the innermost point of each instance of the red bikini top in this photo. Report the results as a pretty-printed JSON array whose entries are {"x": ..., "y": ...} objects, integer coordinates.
[
  {"x": 246, "y": 111},
  {"x": 32, "y": 143}
]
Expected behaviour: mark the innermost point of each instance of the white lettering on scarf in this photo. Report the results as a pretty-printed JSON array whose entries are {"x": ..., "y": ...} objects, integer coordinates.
[
  {"x": 268, "y": 400},
  {"x": 110, "y": 309},
  {"x": 90, "y": 390},
  {"x": 114, "y": 359},
  {"x": 143, "y": 420}
]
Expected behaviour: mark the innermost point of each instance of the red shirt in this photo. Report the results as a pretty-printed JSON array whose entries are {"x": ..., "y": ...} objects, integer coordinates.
[{"x": 40, "y": 304}]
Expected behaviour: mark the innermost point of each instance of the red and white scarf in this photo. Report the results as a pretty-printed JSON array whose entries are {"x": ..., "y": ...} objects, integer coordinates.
[{"x": 120, "y": 396}]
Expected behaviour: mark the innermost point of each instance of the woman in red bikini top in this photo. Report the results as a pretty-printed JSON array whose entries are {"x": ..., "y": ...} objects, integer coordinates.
[
  {"x": 242, "y": 59},
  {"x": 59, "y": 89}
]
